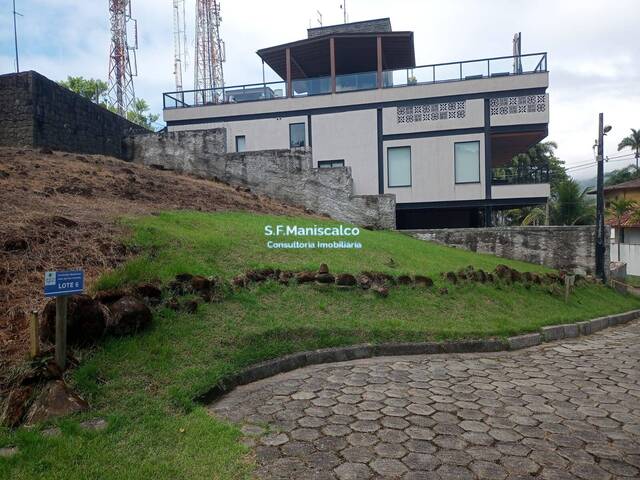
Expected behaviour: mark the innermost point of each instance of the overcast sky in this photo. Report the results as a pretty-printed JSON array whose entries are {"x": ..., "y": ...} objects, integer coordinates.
[{"x": 594, "y": 47}]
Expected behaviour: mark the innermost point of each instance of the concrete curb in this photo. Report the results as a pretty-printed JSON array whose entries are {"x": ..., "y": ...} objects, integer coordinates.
[{"x": 287, "y": 363}]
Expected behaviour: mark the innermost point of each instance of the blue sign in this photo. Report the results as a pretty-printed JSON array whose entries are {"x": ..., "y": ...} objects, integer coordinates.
[{"x": 63, "y": 283}]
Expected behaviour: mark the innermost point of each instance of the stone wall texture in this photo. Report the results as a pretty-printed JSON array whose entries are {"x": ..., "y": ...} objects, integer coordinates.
[
  {"x": 570, "y": 248},
  {"x": 37, "y": 112},
  {"x": 286, "y": 175}
]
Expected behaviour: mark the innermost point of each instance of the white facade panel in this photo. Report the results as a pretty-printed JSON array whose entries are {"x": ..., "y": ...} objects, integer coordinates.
[
  {"x": 517, "y": 110},
  {"x": 433, "y": 171},
  {"x": 352, "y": 137},
  {"x": 427, "y": 117},
  {"x": 529, "y": 190}
]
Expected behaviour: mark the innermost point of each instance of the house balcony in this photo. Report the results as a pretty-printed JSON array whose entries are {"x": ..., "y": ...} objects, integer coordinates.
[
  {"x": 520, "y": 182},
  {"x": 460, "y": 71}
]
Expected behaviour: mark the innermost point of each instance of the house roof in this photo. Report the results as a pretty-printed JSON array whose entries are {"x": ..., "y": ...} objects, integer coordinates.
[
  {"x": 355, "y": 50},
  {"x": 628, "y": 220},
  {"x": 630, "y": 185}
]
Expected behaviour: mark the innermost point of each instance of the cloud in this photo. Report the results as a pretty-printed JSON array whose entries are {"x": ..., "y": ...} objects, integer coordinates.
[{"x": 593, "y": 55}]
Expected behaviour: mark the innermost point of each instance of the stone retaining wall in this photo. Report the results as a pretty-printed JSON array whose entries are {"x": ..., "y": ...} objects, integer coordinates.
[
  {"x": 570, "y": 248},
  {"x": 286, "y": 175},
  {"x": 37, "y": 112}
]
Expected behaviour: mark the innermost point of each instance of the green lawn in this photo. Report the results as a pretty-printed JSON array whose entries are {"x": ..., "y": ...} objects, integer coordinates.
[{"x": 144, "y": 385}]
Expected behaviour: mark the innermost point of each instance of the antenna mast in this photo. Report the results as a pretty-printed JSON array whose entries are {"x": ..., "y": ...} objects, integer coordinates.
[
  {"x": 121, "y": 93},
  {"x": 179, "y": 41},
  {"x": 209, "y": 53}
]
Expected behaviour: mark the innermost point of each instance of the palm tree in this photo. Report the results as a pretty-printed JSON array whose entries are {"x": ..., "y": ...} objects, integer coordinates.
[
  {"x": 618, "y": 209},
  {"x": 632, "y": 142},
  {"x": 570, "y": 205},
  {"x": 537, "y": 216}
]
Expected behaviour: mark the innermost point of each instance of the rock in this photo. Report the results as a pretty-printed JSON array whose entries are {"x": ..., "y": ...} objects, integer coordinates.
[
  {"x": 177, "y": 288},
  {"x": 404, "y": 280},
  {"x": 450, "y": 277},
  {"x": 173, "y": 304},
  {"x": 285, "y": 277},
  {"x": 324, "y": 278},
  {"x": 536, "y": 278},
  {"x": 4, "y": 174},
  {"x": 490, "y": 277},
  {"x": 16, "y": 406},
  {"x": 380, "y": 290},
  {"x": 380, "y": 278},
  {"x": 515, "y": 275},
  {"x": 305, "y": 277},
  {"x": 443, "y": 291},
  {"x": 503, "y": 272},
  {"x": 255, "y": 276},
  {"x": 345, "y": 280},
  {"x": 269, "y": 273},
  {"x": 190, "y": 306},
  {"x": 51, "y": 432},
  {"x": 94, "y": 424},
  {"x": 55, "y": 400},
  {"x": 46, "y": 151},
  {"x": 6, "y": 452},
  {"x": 147, "y": 290},
  {"x": 527, "y": 277},
  {"x": 323, "y": 268},
  {"x": 108, "y": 297},
  {"x": 129, "y": 315},
  {"x": 240, "y": 281},
  {"x": 184, "y": 277},
  {"x": 86, "y": 321},
  {"x": 15, "y": 245},
  {"x": 201, "y": 284},
  {"x": 422, "y": 281},
  {"x": 364, "y": 281}
]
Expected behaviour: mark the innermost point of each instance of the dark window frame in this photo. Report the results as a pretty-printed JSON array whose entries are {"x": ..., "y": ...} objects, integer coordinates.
[
  {"x": 455, "y": 164},
  {"x": 410, "y": 168},
  {"x": 245, "y": 143},
  {"x": 331, "y": 163},
  {"x": 304, "y": 133}
]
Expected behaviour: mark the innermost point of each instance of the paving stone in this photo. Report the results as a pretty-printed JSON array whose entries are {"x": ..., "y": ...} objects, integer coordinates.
[{"x": 559, "y": 410}]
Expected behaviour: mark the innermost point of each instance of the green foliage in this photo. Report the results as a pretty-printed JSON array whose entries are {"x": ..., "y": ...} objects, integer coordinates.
[
  {"x": 138, "y": 114},
  {"x": 92, "y": 89},
  {"x": 633, "y": 142},
  {"x": 144, "y": 384},
  {"x": 622, "y": 175},
  {"x": 540, "y": 155},
  {"x": 571, "y": 206}
]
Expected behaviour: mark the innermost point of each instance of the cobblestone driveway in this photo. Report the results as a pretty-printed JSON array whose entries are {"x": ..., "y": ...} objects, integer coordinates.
[{"x": 563, "y": 410}]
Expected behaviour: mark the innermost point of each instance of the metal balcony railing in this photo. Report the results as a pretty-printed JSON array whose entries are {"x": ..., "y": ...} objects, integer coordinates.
[
  {"x": 519, "y": 175},
  {"x": 422, "y": 75}
]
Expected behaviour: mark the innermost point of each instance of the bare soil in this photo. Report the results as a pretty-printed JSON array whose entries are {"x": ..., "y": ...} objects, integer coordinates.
[{"x": 60, "y": 211}]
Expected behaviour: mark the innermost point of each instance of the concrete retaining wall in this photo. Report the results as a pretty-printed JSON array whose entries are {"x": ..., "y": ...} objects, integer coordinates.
[
  {"x": 569, "y": 248},
  {"x": 286, "y": 175},
  {"x": 37, "y": 112}
]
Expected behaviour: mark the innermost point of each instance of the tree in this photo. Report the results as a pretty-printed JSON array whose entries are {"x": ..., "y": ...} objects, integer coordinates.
[
  {"x": 632, "y": 142},
  {"x": 570, "y": 205},
  {"x": 622, "y": 175},
  {"x": 536, "y": 216},
  {"x": 92, "y": 89},
  {"x": 618, "y": 209},
  {"x": 542, "y": 155},
  {"x": 138, "y": 114}
]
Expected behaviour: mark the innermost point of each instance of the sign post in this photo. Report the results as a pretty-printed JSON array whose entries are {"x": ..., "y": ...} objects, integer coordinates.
[{"x": 60, "y": 285}]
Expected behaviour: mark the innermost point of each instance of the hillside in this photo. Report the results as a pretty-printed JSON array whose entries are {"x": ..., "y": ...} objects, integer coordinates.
[
  {"x": 144, "y": 385},
  {"x": 61, "y": 210}
]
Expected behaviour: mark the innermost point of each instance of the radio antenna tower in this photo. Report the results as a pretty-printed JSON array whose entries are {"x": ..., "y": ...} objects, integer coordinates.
[
  {"x": 179, "y": 41},
  {"x": 120, "y": 93},
  {"x": 209, "y": 53}
]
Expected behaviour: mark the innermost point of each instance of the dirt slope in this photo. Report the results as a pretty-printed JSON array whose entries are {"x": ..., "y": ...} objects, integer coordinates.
[{"x": 60, "y": 210}]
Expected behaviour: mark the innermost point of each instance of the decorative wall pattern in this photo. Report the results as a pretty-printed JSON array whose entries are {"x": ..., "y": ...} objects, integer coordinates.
[
  {"x": 521, "y": 104},
  {"x": 431, "y": 111}
]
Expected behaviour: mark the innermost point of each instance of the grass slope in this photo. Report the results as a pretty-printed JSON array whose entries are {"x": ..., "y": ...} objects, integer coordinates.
[{"x": 144, "y": 384}]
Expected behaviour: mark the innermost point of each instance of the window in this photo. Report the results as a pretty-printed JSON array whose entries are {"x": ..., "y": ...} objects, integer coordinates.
[
  {"x": 241, "y": 143},
  {"x": 296, "y": 135},
  {"x": 330, "y": 163},
  {"x": 399, "y": 166},
  {"x": 467, "y": 162}
]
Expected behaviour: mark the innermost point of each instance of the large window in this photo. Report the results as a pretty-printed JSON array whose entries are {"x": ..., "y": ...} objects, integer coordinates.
[
  {"x": 399, "y": 166},
  {"x": 467, "y": 162},
  {"x": 296, "y": 135},
  {"x": 241, "y": 143},
  {"x": 330, "y": 163}
]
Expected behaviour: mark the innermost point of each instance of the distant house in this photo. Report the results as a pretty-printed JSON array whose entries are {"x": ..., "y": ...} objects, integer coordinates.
[
  {"x": 630, "y": 226},
  {"x": 440, "y": 137}
]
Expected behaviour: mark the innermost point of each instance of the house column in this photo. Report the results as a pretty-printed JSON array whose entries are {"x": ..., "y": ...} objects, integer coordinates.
[
  {"x": 288, "y": 61},
  {"x": 379, "y": 52},
  {"x": 332, "y": 58}
]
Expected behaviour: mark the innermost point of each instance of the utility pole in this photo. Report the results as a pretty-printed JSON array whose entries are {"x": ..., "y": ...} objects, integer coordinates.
[
  {"x": 15, "y": 36},
  {"x": 344, "y": 10},
  {"x": 600, "y": 231}
]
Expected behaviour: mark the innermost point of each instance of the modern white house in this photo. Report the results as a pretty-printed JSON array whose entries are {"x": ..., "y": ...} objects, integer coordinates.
[{"x": 440, "y": 137}]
